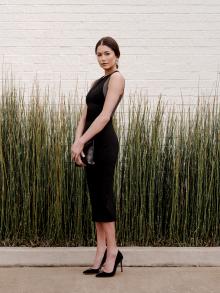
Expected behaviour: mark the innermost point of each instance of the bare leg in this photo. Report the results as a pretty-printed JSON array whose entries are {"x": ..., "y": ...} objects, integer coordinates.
[
  {"x": 101, "y": 245},
  {"x": 109, "y": 229}
]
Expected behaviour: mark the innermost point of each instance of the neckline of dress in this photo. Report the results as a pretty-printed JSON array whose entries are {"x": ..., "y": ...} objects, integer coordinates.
[{"x": 109, "y": 74}]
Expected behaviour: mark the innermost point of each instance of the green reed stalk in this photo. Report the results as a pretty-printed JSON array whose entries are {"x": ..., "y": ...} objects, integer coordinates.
[{"x": 167, "y": 177}]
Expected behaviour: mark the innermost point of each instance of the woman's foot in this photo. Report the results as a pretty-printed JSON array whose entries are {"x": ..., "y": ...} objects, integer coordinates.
[
  {"x": 95, "y": 271},
  {"x": 98, "y": 257},
  {"x": 118, "y": 259},
  {"x": 110, "y": 260}
]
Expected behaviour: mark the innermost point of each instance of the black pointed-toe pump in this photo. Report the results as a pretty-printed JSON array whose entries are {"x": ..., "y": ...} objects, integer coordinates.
[
  {"x": 95, "y": 271},
  {"x": 118, "y": 260}
]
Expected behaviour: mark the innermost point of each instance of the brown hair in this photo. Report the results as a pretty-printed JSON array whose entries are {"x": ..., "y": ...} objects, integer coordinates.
[{"x": 111, "y": 43}]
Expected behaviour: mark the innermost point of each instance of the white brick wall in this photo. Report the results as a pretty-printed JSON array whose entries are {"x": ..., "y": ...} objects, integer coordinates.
[{"x": 167, "y": 47}]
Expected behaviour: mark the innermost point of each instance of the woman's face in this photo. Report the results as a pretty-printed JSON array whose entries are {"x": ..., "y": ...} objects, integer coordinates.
[{"x": 106, "y": 57}]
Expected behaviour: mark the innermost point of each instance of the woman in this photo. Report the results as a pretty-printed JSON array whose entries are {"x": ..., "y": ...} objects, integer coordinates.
[{"x": 96, "y": 123}]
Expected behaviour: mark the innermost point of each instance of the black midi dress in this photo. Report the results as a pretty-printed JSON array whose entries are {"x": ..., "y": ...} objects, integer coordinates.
[{"x": 100, "y": 176}]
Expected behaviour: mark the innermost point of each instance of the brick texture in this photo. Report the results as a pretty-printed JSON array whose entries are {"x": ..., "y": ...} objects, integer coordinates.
[{"x": 169, "y": 47}]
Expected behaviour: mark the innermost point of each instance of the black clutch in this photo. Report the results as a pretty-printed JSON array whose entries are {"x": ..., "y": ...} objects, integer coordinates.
[{"x": 88, "y": 150}]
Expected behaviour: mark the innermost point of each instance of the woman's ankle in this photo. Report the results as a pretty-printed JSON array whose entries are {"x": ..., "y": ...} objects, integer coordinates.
[
  {"x": 101, "y": 248},
  {"x": 112, "y": 250}
]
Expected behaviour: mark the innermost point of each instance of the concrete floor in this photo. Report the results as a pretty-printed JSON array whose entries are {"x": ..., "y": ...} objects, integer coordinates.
[{"x": 132, "y": 279}]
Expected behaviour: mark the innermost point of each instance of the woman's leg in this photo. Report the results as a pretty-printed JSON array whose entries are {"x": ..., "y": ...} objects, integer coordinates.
[
  {"x": 109, "y": 229},
  {"x": 101, "y": 245}
]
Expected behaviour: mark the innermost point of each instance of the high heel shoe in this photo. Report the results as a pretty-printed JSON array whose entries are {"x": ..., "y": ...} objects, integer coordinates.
[
  {"x": 118, "y": 260},
  {"x": 95, "y": 271}
]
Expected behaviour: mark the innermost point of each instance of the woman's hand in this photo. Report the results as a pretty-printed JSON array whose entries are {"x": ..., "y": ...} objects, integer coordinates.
[{"x": 76, "y": 150}]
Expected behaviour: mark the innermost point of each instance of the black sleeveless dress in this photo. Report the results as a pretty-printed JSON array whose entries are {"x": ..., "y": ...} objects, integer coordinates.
[{"x": 100, "y": 176}]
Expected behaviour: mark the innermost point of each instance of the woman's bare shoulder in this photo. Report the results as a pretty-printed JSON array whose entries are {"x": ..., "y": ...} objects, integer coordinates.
[
  {"x": 117, "y": 76},
  {"x": 117, "y": 80}
]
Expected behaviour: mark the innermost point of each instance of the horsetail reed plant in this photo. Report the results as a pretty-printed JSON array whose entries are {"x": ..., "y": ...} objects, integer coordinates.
[{"x": 167, "y": 177}]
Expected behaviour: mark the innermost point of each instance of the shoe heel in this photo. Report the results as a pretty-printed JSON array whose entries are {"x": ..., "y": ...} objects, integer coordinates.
[{"x": 121, "y": 267}]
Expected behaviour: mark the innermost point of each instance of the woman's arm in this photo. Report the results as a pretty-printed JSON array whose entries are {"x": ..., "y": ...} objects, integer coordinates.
[
  {"x": 81, "y": 124},
  {"x": 115, "y": 90}
]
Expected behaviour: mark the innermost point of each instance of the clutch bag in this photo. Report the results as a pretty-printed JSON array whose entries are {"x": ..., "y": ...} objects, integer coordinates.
[{"x": 88, "y": 150}]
